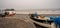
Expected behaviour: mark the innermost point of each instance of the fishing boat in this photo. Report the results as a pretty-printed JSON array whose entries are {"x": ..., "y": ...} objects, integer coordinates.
[{"x": 10, "y": 12}]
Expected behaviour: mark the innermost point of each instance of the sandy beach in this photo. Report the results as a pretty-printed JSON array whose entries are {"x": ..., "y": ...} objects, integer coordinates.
[{"x": 23, "y": 19}]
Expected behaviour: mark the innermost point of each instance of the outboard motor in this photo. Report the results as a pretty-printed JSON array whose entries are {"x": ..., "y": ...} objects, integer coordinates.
[
  {"x": 4, "y": 14},
  {"x": 52, "y": 17}
]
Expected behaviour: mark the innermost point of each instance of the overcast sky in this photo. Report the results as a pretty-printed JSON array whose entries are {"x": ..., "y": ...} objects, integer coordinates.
[{"x": 31, "y": 4}]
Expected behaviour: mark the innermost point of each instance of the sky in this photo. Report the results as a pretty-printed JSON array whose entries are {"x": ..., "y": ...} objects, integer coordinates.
[{"x": 30, "y": 4}]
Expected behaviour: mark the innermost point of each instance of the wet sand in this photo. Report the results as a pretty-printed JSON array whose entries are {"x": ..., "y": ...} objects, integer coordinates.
[{"x": 17, "y": 21}]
